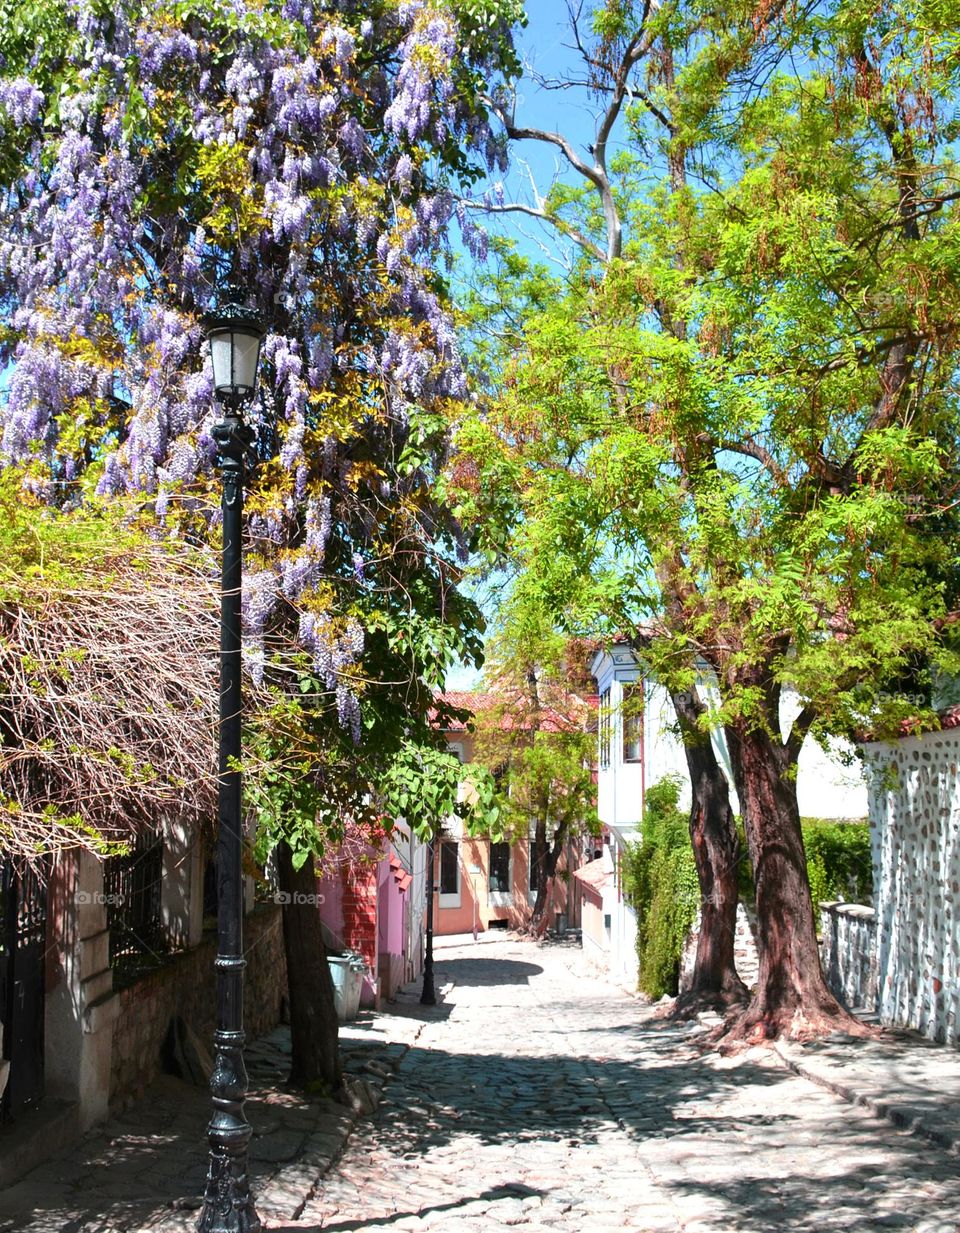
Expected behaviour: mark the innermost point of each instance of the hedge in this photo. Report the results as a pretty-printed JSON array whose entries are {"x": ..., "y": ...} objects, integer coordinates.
[{"x": 659, "y": 879}]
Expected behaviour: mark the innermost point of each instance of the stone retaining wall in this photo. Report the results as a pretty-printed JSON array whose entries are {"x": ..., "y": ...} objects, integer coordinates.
[
  {"x": 849, "y": 953},
  {"x": 744, "y": 950},
  {"x": 186, "y": 987}
]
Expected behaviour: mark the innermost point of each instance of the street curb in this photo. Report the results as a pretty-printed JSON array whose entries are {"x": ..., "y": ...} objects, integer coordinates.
[{"x": 903, "y": 1116}]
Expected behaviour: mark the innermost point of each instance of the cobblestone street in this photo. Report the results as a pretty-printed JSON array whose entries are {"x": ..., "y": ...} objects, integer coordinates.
[
  {"x": 544, "y": 1102},
  {"x": 539, "y": 1097}
]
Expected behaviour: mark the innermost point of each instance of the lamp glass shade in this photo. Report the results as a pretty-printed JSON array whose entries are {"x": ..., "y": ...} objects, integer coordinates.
[{"x": 235, "y": 352}]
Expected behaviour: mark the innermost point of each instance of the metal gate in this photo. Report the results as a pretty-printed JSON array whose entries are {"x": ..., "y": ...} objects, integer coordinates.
[{"x": 23, "y": 929}]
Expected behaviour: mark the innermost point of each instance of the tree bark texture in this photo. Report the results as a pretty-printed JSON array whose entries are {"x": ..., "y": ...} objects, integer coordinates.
[
  {"x": 314, "y": 1030},
  {"x": 716, "y": 851},
  {"x": 792, "y": 997},
  {"x": 546, "y": 858}
]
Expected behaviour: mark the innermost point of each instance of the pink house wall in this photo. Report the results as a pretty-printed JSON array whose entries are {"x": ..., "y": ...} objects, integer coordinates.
[{"x": 391, "y": 915}]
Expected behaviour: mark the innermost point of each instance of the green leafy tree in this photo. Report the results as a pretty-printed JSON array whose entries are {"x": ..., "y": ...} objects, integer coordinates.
[
  {"x": 537, "y": 740},
  {"x": 748, "y": 388}
]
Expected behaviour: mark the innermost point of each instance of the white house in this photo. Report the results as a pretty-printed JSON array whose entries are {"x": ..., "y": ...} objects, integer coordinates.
[{"x": 639, "y": 745}]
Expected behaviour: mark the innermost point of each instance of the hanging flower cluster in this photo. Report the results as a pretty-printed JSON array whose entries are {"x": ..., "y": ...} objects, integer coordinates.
[{"x": 311, "y": 155}]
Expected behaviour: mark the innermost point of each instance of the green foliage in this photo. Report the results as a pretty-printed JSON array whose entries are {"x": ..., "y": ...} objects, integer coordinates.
[
  {"x": 305, "y": 779},
  {"x": 44, "y": 549},
  {"x": 838, "y": 861},
  {"x": 427, "y": 784},
  {"x": 660, "y": 882},
  {"x": 537, "y": 738},
  {"x": 723, "y": 429},
  {"x": 839, "y": 865},
  {"x": 660, "y": 879}
]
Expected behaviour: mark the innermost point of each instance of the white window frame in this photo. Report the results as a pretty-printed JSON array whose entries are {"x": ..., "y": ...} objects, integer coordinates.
[
  {"x": 605, "y": 729},
  {"x": 501, "y": 899},
  {"x": 451, "y": 900}
]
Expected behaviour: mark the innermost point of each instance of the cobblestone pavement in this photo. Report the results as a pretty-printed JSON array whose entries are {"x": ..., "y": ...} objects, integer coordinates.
[
  {"x": 144, "y": 1169},
  {"x": 538, "y": 1097}
]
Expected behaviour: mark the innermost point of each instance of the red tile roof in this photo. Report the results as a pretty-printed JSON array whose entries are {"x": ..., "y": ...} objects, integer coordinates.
[{"x": 551, "y": 719}]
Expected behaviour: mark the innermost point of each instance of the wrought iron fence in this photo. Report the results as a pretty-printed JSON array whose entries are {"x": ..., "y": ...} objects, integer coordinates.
[{"x": 132, "y": 888}]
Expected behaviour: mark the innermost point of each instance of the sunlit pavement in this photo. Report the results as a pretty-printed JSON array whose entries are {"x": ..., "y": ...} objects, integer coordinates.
[
  {"x": 535, "y": 1096},
  {"x": 546, "y": 1098}
]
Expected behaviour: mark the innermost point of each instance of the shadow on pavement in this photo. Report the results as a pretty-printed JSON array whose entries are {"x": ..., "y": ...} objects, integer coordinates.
[
  {"x": 490, "y": 1195},
  {"x": 485, "y": 971},
  {"x": 713, "y": 1131}
]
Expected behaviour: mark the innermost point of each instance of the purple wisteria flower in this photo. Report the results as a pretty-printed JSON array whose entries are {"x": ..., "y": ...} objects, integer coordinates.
[{"x": 312, "y": 167}]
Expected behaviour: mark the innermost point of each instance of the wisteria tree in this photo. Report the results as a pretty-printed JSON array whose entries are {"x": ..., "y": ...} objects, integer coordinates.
[{"x": 311, "y": 155}]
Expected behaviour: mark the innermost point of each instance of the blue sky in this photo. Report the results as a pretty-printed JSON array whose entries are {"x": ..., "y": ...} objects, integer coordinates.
[{"x": 546, "y": 50}]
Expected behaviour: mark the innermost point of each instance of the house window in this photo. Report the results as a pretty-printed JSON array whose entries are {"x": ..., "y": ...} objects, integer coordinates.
[
  {"x": 603, "y": 727},
  {"x": 632, "y": 714},
  {"x": 449, "y": 867},
  {"x": 500, "y": 867},
  {"x": 534, "y": 869}
]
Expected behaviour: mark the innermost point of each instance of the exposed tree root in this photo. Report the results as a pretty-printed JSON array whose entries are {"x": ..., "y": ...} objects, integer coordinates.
[
  {"x": 694, "y": 1002},
  {"x": 757, "y": 1025}
]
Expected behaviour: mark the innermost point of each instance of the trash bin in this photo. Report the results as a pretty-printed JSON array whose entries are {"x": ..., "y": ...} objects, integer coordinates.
[
  {"x": 355, "y": 973},
  {"x": 339, "y": 966},
  {"x": 346, "y": 972}
]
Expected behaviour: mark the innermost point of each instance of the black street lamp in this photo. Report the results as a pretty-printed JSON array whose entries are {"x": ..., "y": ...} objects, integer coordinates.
[
  {"x": 234, "y": 335},
  {"x": 429, "y": 997}
]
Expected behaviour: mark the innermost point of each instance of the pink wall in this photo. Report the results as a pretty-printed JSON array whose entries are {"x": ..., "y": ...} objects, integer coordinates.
[
  {"x": 391, "y": 912},
  {"x": 330, "y": 889}
]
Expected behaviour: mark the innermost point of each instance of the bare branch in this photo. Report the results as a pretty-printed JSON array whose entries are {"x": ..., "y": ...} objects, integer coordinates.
[{"x": 560, "y": 224}]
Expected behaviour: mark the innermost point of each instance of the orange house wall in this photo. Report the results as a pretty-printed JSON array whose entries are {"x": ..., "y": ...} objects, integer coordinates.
[{"x": 474, "y": 890}]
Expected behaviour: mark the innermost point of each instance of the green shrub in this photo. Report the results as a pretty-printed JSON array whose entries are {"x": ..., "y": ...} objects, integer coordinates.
[
  {"x": 660, "y": 882},
  {"x": 660, "y": 879},
  {"x": 838, "y": 860}
]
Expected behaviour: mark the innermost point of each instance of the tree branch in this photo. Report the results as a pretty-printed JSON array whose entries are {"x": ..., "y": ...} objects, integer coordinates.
[{"x": 516, "y": 207}]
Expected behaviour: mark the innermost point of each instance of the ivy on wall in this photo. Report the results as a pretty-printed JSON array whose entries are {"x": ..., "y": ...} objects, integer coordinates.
[{"x": 660, "y": 883}]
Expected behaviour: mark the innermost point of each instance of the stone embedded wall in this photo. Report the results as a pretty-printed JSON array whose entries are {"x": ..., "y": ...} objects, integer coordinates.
[
  {"x": 186, "y": 986},
  {"x": 915, "y": 831},
  {"x": 849, "y": 953},
  {"x": 744, "y": 950}
]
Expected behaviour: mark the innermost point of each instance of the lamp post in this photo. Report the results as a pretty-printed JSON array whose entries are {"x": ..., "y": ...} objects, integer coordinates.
[
  {"x": 234, "y": 334},
  {"x": 429, "y": 997}
]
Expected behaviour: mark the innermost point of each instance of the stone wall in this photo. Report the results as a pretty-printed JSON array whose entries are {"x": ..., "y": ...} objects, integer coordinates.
[
  {"x": 915, "y": 821},
  {"x": 186, "y": 987},
  {"x": 744, "y": 950},
  {"x": 849, "y": 953}
]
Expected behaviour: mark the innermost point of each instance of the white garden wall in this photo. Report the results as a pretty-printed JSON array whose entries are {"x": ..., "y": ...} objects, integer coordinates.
[{"x": 914, "y": 797}]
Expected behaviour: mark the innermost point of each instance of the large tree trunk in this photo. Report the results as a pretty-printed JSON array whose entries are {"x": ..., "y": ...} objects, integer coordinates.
[
  {"x": 315, "y": 1062},
  {"x": 716, "y": 850},
  {"x": 792, "y": 997}
]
